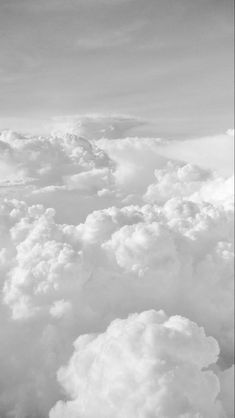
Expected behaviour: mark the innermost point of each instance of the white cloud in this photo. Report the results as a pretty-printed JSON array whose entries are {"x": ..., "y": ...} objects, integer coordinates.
[
  {"x": 189, "y": 182},
  {"x": 133, "y": 248},
  {"x": 95, "y": 125},
  {"x": 60, "y": 308},
  {"x": 146, "y": 365},
  {"x": 92, "y": 230},
  {"x": 213, "y": 152},
  {"x": 230, "y": 132}
]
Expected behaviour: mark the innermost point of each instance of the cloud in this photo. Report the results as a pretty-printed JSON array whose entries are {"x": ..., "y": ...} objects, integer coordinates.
[
  {"x": 227, "y": 390},
  {"x": 191, "y": 182},
  {"x": 146, "y": 365},
  {"x": 97, "y": 229},
  {"x": 133, "y": 244},
  {"x": 96, "y": 126},
  {"x": 111, "y": 38},
  {"x": 214, "y": 152},
  {"x": 230, "y": 132},
  {"x": 178, "y": 255}
]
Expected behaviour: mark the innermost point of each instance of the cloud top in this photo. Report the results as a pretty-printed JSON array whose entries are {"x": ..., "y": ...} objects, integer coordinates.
[
  {"x": 92, "y": 230},
  {"x": 146, "y": 365}
]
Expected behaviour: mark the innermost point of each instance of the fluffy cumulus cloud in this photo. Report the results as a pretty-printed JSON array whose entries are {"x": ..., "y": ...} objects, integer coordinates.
[
  {"x": 93, "y": 229},
  {"x": 146, "y": 365},
  {"x": 48, "y": 162},
  {"x": 190, "y": 182}
]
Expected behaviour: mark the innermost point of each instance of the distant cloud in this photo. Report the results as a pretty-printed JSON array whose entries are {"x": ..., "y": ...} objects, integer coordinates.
[
  {"x": 230, "y": 132},
  {"x": 96, "y": 126},
  {"x": 110, "y": 38}
]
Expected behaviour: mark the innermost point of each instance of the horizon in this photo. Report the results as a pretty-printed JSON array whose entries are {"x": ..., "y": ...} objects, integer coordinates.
[{"x": 169, "y": 63}]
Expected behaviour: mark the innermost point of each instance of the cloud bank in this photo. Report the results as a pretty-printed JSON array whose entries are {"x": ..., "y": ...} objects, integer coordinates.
[{"x": 99, "y": 227}]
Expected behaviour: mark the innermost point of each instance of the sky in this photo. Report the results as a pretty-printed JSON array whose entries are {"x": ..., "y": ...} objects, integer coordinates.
[{"x": 169, "y": 62}]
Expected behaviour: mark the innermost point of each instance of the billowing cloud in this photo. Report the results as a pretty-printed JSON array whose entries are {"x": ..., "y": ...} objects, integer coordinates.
[
  {"x": 49, "y": 161},
  {"x": 189, "y": 182},
  {"x": 214, "y": 152},
  {"x": 146, "y": 365},
  {"x": 97, "y": 229}
]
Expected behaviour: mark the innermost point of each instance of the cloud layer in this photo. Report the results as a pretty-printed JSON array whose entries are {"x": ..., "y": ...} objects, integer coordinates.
[{"x": 94, "y": 229}]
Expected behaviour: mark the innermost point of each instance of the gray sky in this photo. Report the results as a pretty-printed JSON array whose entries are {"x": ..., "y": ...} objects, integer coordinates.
[{"x": 170, "y": 61}]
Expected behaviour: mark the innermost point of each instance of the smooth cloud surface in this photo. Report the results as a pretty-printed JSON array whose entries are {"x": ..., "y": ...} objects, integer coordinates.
[{"x": 93, "y": 229}]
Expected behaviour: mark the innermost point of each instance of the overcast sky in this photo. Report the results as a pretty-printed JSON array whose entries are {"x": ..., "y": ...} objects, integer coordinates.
[{"x": 170, "y": 61}]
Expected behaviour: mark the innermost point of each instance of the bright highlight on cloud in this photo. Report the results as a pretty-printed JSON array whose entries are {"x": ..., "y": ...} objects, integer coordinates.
[{"x": 99, "y": 227}]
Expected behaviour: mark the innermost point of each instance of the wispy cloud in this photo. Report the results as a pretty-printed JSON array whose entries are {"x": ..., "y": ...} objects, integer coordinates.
[{"x": 110, "y": 38}]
